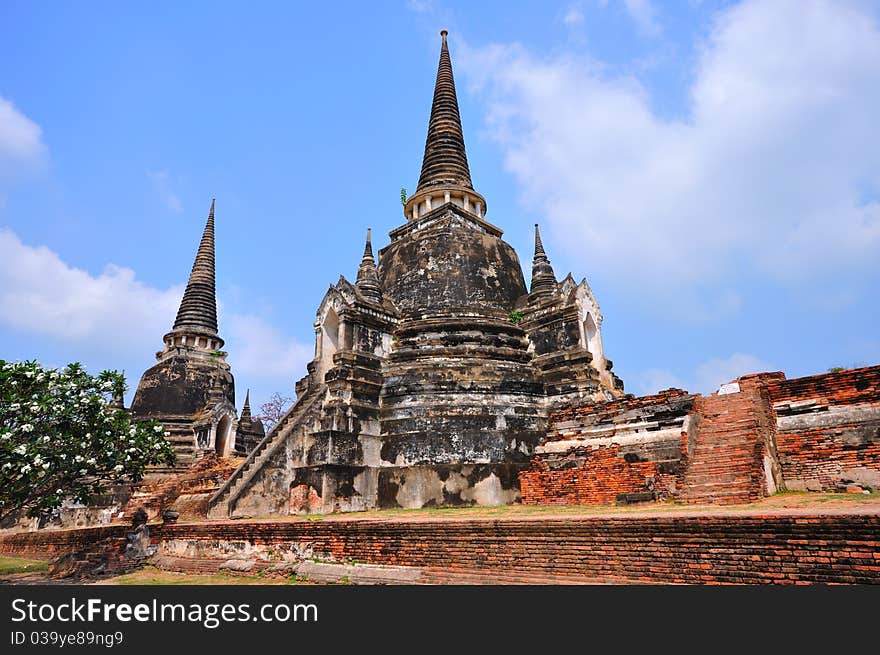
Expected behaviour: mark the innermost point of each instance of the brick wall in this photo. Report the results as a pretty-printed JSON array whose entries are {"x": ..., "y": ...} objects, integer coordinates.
[
  {"x": 51, "y": 544},
  {"x": 596, "y": 453},
  {"x": 669, "y": 549},
  {"x": 601, "y": 475},
  {"x": 850, "y": 387},
  {"x": 819, "y": 433},
  {"x": 828, "y": 429}
]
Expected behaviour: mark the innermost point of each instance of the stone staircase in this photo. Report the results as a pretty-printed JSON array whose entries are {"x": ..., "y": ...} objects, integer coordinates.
[
  {"x": 727, "y": 466},
  {"x": 221, "y": 502}
]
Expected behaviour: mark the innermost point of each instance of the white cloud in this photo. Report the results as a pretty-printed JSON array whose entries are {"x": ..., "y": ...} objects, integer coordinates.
[
  {"x": 714, "y": 372},
  {"x": 705, "y": 378},
  {"x": 21, "y": 144},
  {"x": 113, "y": 319},
  {"x": 644, "y": 15},
  {"x": 163, "y": 185},
  {"x": 259, "y": 350},
  {"x": 652, "y": 380},
  {"x": 574, "y": 15},
  {"x": 420, "y": 6},
  {"x": 41, "y": 294},
  {"x": 774, "y": 172}
]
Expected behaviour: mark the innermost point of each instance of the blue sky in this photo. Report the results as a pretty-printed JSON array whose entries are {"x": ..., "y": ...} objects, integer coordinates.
[{"x": 711, "y": 168}]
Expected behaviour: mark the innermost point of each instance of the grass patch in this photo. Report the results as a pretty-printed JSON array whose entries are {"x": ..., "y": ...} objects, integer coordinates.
[{"x": 19, "y": 565}]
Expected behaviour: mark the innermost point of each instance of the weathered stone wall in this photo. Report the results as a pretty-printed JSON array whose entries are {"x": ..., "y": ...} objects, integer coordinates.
[
  {"x": 828, "y": 429},
  {"x": 602, "y": 453},
  {"x": 736, "y": 548},
  {"x": 450, "y": 262}
]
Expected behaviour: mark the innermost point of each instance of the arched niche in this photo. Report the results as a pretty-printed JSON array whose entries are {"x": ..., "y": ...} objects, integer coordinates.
[
  {"x": 223, "y": 440},
  {"x": 592, "y": 341},
  {"x": 329, "y": 340}
]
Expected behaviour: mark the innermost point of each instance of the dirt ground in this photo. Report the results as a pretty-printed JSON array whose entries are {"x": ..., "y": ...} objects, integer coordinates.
[{"x": 782, "y": 503}]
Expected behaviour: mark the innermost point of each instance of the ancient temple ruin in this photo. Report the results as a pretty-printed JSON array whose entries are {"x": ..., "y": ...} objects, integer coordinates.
[
  {"x": 190, "y": 389},
  {"x": 434, "y": 371}
]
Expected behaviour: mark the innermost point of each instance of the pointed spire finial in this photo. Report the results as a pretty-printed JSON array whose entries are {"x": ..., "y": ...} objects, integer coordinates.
[
  {"x": 539, "y": 247},
  {"x": 368, "y": 274},
  {"x": 445, "y": 161},
  {"x": 198, "y": 309},
  {"x": 543, "y": 277},
  {"x": 368, "y": 248},
  {"x": 246, "y": 410}
]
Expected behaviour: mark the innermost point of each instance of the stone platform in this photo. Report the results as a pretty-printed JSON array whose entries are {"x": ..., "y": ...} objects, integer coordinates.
[{"x": 788, "y": 546}]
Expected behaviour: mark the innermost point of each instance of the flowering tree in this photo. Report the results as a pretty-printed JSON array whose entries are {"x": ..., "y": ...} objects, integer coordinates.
[
  {"x": 272, "y": 411},
  {"x": 61, "y": 437}
]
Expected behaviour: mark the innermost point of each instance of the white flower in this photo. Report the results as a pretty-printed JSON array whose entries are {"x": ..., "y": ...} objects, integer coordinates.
[
  {"x": 29, "y": 374},
  {"x": 21, "y": 449},
  {"x": 118, "y": 467},
  {"x": 25, "y": 468},
  {"x": 46, "y": 465},
  {"x": 14, "y": 406},
  {"x": 90, "y": 460},
  {"x": 37, "y": 460},
  {"x": 35, "y": 408},
  {"x": 45, "y": 439},
  {"x": 157, "y": 428},
  {"x": 83, "y": 471},
  {"x": 27, "y": 427},
  {"x": 88, "y": 435}
]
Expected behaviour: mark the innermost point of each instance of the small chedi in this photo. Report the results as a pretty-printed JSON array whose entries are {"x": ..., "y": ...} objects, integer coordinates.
[{"x": 191, "y": 389}]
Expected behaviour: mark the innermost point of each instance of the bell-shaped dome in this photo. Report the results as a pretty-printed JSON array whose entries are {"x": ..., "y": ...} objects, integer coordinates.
[{"x": 450, "y": 262}]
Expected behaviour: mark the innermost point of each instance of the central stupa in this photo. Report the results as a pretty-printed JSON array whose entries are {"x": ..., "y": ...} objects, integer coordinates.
[{"x": 435, "y": 371}]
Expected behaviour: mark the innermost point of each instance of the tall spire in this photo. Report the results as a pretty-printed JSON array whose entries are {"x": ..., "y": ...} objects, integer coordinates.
[
  {"x": 368, "y": 274},
  {"x": 543, "y": 277},
  {"x": 445, "y": 162},
  {"x": 198, "y": 309}
]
